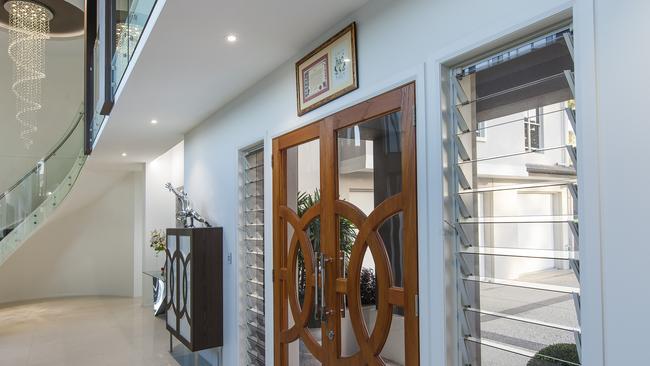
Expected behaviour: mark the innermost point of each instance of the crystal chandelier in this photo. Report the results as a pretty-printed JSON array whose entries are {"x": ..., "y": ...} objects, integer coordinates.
[{"x": 29, "y": 28}]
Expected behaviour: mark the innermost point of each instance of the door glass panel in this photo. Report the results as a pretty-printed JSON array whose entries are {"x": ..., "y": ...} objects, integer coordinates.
[
  {"x": 393, "y": 351},
  {"x": 391, "y": 233},
  {"x": 303, "y": 193},
  {"x": 370, "y": 161},
  {"x": 369, "y": 173},
  {"x": 347, "y": 235}
]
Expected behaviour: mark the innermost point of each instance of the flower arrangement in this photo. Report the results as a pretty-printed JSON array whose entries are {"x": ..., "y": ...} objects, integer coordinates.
[{"x": 157, "y": 241}]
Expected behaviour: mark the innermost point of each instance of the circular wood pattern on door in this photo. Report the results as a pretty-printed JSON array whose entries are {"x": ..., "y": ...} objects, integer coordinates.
[
  {"x": 301, "y": 314},
  {"x": 370, "y": 344}
]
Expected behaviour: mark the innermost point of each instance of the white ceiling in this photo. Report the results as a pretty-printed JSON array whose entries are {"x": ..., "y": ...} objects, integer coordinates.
[{"x": 187, "y": 70}]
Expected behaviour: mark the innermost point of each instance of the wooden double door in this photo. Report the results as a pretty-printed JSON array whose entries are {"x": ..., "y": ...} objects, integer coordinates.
[{"x": 345, "y": 263}]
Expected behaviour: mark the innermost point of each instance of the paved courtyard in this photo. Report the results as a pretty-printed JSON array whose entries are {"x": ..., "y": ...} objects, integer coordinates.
[{"x": 538, "y": 305}]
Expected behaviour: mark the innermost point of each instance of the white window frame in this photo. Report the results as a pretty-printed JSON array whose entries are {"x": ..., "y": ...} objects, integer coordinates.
[
  {"x": 537, "y": 120},
  {"x": 481, "y": 132}
]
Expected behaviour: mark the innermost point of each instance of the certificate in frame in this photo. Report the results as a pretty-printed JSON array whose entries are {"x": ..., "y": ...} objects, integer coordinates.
[{"x": 328, "y": 72}]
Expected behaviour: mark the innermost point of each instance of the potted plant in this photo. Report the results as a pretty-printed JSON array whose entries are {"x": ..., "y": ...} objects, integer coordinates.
[
  {"x": 554, "y": 354},
  {"x": 158, "y": 243},
  {"x": 368, "y": 287}
]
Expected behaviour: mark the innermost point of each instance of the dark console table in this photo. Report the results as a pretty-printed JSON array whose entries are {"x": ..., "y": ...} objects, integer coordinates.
[{"x": 194, "y": 260}]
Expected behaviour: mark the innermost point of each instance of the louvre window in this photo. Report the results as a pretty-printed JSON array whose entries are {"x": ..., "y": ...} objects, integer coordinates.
[
  {"x": 252, "y": 256},
  {"x": 514, "y": 208}
]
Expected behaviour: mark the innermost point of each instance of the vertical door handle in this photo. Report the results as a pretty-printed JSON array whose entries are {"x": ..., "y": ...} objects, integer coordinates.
[
  {"x": 341, "y": 299},
  {"x": 323, "y": 277},
  {"x": 316, "y": 264},
  {"x": 323, "y": 264}
]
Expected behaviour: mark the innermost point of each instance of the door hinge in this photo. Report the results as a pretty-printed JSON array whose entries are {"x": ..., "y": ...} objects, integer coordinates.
[
  {"x": 273, "y": 275},
  {"x": 272, "y": 161},
  {"x": 417, "y": 305}
]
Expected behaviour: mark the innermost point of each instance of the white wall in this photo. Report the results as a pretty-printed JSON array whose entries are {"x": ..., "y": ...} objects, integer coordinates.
[
  {"x": 160, "y": 211},
  {"x": 83, "y": 249},
  {"x": 394, "y": 40},
  {"x": 622, "y": 54}
]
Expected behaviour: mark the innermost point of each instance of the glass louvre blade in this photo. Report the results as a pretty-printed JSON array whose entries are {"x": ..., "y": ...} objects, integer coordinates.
[
  {"x": 485, "y": 126},
  {"x": 518, "y": 186},
  {"x": 525, "y": 253},
  {"x": 560, "y": 78},
  {"x": 538, "y": 219},
  {"x": 510, "y": 155},
  {"x": 527, "y": 285},
  {"x": 525, "y": 353},
  {"x": 252, "y": 256},
  {"x": 523, "y": 320},
  {"x": 518, "y": 51}
]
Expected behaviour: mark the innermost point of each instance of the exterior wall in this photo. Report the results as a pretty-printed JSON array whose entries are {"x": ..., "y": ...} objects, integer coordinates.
[
  {"x": 555, "y": 127},
  {"x": 82, "y": 250},
  {"x": 502, "y": 138},
  {"x": 394, "y": 42}
]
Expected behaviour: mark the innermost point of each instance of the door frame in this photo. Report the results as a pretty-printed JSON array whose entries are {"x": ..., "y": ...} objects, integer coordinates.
[{"x": 402, "y": 99}]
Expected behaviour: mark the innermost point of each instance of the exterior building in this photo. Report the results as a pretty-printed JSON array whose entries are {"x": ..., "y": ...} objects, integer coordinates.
[{"x": 415, "y": 182}]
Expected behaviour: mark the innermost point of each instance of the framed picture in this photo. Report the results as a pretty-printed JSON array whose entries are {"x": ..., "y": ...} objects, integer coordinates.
[{"x": 327, "y": 72}]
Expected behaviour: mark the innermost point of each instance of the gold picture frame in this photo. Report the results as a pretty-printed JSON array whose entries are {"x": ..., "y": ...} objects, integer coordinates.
[{"x": 328, "y": 72}]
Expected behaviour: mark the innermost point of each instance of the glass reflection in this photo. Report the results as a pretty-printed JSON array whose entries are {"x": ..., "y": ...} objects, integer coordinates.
[
  {"x": 369, "y": 173},
  {"x": 303, "y": 192}
]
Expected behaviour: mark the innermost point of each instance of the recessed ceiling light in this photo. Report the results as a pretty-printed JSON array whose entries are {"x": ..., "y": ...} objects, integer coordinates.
[
  {"x": 153, "y": 121},
  {"x": 231, "y": 38},
  {"x": 123, "y": 154}
]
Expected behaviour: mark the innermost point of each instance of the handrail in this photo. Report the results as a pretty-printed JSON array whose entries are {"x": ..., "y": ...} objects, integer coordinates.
[{"x": 50, "y": 154}]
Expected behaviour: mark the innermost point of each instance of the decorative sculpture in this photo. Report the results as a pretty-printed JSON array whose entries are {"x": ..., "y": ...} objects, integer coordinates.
[{"x": 186, "y": 215}]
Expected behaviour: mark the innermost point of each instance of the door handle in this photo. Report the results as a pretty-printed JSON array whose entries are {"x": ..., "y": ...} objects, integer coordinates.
[
  {"x": 323, "y": 263},
  {"x": 341, "y": 299},
  {"x": 316, "y": 264},
  {"x": 323, "y": 277}
]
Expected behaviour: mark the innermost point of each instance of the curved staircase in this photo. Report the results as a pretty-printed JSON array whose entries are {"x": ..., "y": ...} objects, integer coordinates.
[{"x": 34, "y": 198}]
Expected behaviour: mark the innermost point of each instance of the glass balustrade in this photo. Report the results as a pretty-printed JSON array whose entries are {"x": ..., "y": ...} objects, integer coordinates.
[
  {"x": 131, "y": 18},
  {"x": 34, "y": 197},
  {"x": 25, "y": 205}
]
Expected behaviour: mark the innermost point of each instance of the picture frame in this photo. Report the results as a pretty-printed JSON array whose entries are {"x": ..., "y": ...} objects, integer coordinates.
[{"x": 328, "y": 72}]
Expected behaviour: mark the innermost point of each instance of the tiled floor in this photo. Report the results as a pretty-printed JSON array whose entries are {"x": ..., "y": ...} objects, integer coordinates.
[
  {"x": 103, "y": 331},
  {"x": 98, "y": 331}
]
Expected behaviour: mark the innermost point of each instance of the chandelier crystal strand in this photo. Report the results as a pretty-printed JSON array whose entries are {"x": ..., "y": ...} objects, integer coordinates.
[{"x": 30, "y": 28}]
